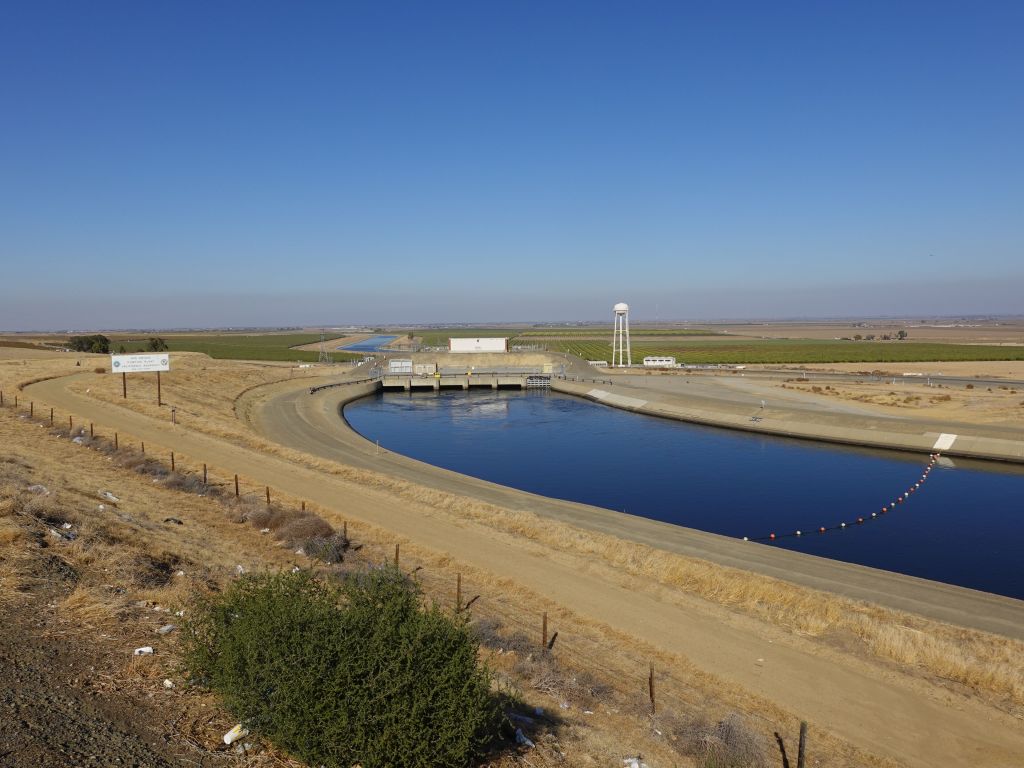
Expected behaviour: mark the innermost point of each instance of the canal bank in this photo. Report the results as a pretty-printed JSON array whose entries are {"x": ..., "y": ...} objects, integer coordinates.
[
  {"x": 312, "y": 423},
  {"x": 901, "y": 434}
]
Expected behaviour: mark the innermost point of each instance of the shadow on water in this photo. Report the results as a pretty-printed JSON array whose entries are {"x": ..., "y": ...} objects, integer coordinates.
[{"x": 964, "y": 526}]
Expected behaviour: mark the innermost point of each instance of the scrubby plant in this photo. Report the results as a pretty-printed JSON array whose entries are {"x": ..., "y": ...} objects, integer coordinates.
[{"x": 358, "y": 673}]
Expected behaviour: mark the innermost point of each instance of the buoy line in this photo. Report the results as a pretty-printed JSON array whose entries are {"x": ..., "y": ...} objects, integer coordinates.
[{"x": 891, "y": 506}]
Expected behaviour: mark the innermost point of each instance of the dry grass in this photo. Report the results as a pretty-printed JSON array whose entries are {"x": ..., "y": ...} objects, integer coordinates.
[{"x": 213, "y": 392}]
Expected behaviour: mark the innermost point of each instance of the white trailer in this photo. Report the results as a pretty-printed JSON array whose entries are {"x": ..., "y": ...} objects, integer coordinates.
[{"x": 478, "y": 345}]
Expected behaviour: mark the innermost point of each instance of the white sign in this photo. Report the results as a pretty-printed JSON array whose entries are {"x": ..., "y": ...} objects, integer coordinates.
[{"x": 139, "y": 363}]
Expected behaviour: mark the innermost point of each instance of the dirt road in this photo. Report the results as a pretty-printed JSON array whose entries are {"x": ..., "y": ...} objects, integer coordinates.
[{"x": 906, "y": 720}]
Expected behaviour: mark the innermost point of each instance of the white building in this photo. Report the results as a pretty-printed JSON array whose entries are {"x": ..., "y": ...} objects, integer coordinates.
[
  {"x": 478, "y": 345},
  {"x": 659, "y": 362}
]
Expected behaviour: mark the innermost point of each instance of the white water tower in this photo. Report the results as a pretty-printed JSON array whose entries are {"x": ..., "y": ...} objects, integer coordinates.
[{"x": 621, "y": 356}]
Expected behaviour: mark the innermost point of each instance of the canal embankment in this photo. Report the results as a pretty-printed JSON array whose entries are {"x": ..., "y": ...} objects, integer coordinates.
[{"x": 751, "y": 415}]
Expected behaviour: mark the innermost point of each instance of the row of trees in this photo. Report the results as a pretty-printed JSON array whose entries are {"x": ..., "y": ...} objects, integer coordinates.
[
  {"x": 900, "y": 336},
  {"x": 100, "y": 344}
]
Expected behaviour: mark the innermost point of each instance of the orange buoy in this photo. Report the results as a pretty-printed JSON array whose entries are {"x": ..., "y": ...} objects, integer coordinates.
[{"x": 822, "y": 529}]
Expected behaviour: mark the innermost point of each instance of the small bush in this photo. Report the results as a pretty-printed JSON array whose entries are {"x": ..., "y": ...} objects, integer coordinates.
[
  {"x": 361, "y": 673},
  {"x": 301, "y": 528}
]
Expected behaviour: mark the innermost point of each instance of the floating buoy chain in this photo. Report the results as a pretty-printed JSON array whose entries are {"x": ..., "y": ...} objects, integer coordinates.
[{"x": 889, "y": 507}]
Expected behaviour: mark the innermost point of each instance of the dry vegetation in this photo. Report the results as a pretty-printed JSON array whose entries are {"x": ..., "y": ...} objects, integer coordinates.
[
  {"x": 113, "y": 571},
  {"x": 988, "y": 404},
  {"x": 984, "y": 664}
]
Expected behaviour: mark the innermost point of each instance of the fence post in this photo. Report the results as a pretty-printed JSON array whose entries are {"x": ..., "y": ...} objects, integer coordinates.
[
  {"x": 91, "y": 432},
  {"x": 143, "y": 449},
  {"x": 458, "y": 592},
  {"x": 115, "y": 441},
  {"x": 1, "y": 397},
  {"x": 344, "y": 529},
  {"x": 15, "y": 401},
  {"x": 51, "y": 417},
  {"x": 396, "y": 554},
  {"x": 803, "y": 745},
  {"x": 303, "y": 506},
  {"x": 268, "y": 495},
  {"x": 236, "y": 486},
  {"x": 71, "y": 423},
  {"x": 172, "y": 461},
  {"x": 204, "y": 474},
  {"x": 650, "y": 688},
  {"x": 31, "y": 409},
  {"x": 544, "y": 631}
]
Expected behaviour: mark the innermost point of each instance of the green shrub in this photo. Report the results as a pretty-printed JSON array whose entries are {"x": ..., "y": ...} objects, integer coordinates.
[{"x": 358, "y": 673}]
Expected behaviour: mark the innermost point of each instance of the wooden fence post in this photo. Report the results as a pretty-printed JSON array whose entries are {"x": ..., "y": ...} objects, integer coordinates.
[
  {"x": 396, "y": 555},
  {"x": 458, "y": 592},
  {"x": 71, "y": 423},
  {"x": 303, "y": 506},
  {"x": 268, "y": 495},
  {"x": 1, "y": 397},
  {"x": 236, "y": 486},
  {"x": 172, "y": 461},
  {"x": 344, "y": 529},
  {"x": 650, "y": 688},
  {"x": 115, "y": 441},
  {"x": 544, "y": 631},
  {"x": 51, "y": 417},
  {"x": 31, "y": 409},
  {"x": 204, "y": 474},
  {"x": 803, "y": 745},
  {"x": 91, "y": 431},
  {"x": 143, "y": 449}
]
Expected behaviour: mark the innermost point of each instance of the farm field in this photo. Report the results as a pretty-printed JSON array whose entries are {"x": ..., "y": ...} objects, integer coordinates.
[
  {"x": 438, "y": 337},
  {"x": 229, "y": 346},
  {"x": 777, "y": 351}
]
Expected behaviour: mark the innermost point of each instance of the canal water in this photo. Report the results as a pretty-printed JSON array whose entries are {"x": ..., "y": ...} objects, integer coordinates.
[
  {"x": 965, "y": 525},
  {"x": 372, "y": 344}
]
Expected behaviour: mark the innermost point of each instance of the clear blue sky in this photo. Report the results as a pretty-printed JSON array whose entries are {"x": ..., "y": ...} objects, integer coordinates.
[{"x": 227, "y": 163}]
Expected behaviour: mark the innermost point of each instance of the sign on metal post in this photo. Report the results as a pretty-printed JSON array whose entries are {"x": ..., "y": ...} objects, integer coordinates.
[{"x": 139, "y": 363}]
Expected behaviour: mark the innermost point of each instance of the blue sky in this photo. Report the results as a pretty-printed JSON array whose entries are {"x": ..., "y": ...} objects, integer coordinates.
[{"x": 247, "y": 163}]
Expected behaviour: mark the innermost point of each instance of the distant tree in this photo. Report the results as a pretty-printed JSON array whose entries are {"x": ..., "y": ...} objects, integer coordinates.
[
  {"x": 886, "y": 337},
  {"x": 156, "y": 344},
  {"x": 409, "y": 335},
  {"x": 870, "y": 337},
  {"x": 96, "y": 343},
  {"x": 121, "y": 350},
  {"x": 901, "y": 335},
  {"x": 857, "y": 337}
]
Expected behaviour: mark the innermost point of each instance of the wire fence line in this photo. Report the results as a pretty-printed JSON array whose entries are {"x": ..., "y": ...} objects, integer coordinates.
[{"x": 647, "y": 683}]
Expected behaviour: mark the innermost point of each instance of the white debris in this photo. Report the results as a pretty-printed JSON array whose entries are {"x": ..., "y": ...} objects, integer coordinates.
[
  {"x": 101, "y": 507},
  {"x": 42, "y": 490},
  {"x": 146, "y": 650},
  {"x": 77, "y": 440},
  {"x": 240, "y": 571},
  {"x": 264, "y": 530},
  {"x": 522, "y": 739},
  {"x": 66, "y": 526},
  {"x": 300, "y": 552},
  {"x": 179, "y": 613},
  {"x": 166, "y": 629},
  {"x": 168, "y": 683},
  {"x": 108, "y": 496},
  {"x": 634, "y": 762},
  {"x": 236, "y": 733}
]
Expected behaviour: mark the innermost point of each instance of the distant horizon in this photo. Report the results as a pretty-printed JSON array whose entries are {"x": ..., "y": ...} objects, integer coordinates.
[{"x": 911, "y": 320}]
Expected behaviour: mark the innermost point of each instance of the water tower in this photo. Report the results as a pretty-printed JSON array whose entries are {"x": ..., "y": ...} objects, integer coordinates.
[{"x": 621, "y": 355}]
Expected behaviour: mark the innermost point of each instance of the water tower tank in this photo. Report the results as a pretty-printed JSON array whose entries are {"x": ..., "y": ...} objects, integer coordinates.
[{"x": 621, "y": 308}]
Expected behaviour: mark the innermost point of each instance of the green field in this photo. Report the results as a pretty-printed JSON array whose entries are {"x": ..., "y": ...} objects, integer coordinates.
[
  {"x": 771, "y": 351},
  {"x": 237, "y": 346},
  {"x": 592, "y": 333}
]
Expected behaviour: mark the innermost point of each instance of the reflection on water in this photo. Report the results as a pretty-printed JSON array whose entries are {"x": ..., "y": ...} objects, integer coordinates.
[{"x": 965, "y": 526}]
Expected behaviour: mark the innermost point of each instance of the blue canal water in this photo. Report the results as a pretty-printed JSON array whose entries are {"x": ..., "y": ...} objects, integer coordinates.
[
  {"x": 372, "y": 344},
  {"x": 965, "y": 525}
]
